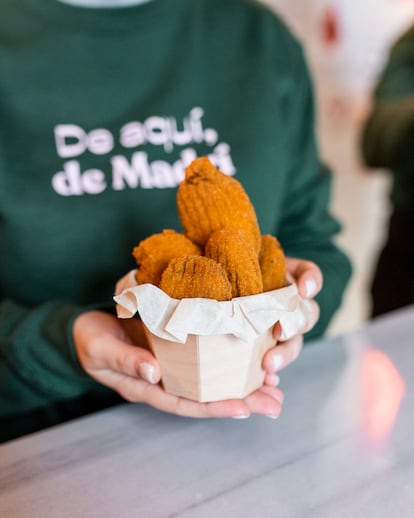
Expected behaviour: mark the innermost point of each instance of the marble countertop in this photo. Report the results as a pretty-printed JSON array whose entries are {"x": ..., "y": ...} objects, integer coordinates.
[{"x": 342, "y": 447}]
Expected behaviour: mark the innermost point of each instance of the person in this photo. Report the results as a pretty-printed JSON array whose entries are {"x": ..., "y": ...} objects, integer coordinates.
[
  {"x": 386, "y": 142},
  {"x": 102, "y": 106}
]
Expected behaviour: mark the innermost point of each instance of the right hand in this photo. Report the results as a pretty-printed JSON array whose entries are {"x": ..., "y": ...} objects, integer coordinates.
[
  {"x": 104, "y": 345},
  {"x": 308, "y": 278}
]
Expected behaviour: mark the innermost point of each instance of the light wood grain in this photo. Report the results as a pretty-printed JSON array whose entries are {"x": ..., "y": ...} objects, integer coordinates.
[{"x": 211, "y": 368}]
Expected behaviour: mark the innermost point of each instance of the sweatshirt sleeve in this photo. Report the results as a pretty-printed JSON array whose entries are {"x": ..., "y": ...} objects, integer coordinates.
[
  {"x": 38, "y": 364},
  {"x": 307, "y": 229},
  {"x": 389, "y": 130}
]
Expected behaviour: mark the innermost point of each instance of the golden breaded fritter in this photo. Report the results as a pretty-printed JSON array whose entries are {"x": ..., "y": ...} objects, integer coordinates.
[
  {"x": 208, "y": 200},
  {"x": 195, "y": 276},
  {"x": 272, "y": 262},
  {"x": 234, "y": 251},
  {"x": 154, "y": 253}
]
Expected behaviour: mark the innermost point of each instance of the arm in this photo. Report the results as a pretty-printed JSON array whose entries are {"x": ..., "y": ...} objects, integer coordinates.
[
  {"x": 37, "y": 361},
  {"x": 388, "y": 133},
  {"x": 307, "y": 229}
]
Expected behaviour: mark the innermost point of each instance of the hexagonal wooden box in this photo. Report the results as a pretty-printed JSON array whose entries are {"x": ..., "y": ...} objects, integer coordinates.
[{"x": 211, "y": 368}]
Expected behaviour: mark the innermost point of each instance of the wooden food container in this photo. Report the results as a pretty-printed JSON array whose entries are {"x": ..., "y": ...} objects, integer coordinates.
[
  {"x": 211, "y": 368},
  {"x": 210, "y": 350}
]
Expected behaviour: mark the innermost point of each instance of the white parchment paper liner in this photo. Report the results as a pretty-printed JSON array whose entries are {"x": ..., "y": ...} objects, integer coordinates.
[{"x": 244, "y": 317}]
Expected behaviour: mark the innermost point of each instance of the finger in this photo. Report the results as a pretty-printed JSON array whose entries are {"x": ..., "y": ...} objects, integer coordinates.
[
  {"x": 136, "y": 390},
  {"x": 266, "y": 401},
  {"x": 235, "y": 408},
  {"x": 273, "y": 392},
  {"x": 271, "y": 379},
  {"x": 261, "y": 402},
  {"x": 123, "y": 358},
  {"x": 307, "y": 275},
  {"x": 283, "y": 354}
]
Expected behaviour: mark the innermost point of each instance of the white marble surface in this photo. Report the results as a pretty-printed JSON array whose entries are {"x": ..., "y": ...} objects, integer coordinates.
[{"x": 343, "y": 447}]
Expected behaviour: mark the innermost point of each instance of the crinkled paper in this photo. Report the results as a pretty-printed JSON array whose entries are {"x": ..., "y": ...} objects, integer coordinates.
[{"x": 244, "y": 317}]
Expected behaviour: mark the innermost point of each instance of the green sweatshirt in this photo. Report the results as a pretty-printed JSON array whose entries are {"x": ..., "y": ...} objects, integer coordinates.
[
  {"x": 388, "y": 135},
  {"x": 100, "y": 110}
]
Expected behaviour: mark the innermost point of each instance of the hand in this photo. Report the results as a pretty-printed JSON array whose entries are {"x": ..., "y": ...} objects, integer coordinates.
[
  {"x": 104, "y": 345},
  {"x": 308, "y": 279}
]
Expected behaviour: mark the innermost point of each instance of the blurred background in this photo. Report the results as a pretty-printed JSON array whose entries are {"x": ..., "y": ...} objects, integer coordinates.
[{"x": 347, "y": 44}]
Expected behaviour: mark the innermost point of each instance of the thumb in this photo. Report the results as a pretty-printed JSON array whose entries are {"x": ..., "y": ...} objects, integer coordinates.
[
  {"x": 307, "y": 275},
  {"x": 126, "y": 359}
]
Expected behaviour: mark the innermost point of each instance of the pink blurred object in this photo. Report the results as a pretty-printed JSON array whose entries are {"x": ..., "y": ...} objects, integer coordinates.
[{"x": 382, "y": 391}]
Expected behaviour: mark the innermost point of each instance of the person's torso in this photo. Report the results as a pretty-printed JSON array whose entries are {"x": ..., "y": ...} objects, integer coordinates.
[
  {"x": 98, "y": 119},
  {"x": 397, "y": 83}
]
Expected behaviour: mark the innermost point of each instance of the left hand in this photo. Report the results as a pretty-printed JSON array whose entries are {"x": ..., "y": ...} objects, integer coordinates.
[
  {"x": 116, "y": 354},
  {"x": 308, "y": 279}
]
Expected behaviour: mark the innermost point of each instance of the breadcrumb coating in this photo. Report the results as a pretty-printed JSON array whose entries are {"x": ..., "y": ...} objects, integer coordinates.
[
  {"x": 154, "y": 253},
  {"x": 195, "y": 276},
  {"x": 208, "y": 200},
  {"x": 234, "y": 251},
  {"x": 272, "y": 264}
]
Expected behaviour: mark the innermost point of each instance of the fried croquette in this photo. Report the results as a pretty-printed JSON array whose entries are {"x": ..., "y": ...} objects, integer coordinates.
[
  {"x": 153, "y": 254},
  {"x": 195, "y": 276},
  {"x": 272, "y": 262},
  {"x": 234, "y": 251},
  {"x": 208, "y": 200}
]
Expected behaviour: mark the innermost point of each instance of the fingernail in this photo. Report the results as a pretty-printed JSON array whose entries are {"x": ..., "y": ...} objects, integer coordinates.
[
  {"x": 147, "y": 372},
  {"x": 240, "y": 416},
  {"x": 278, "y": 361},
  {"x": 272, "y": 416},
  {"x": 277, "y": 380},
  {"x": 311, "y": 287}
]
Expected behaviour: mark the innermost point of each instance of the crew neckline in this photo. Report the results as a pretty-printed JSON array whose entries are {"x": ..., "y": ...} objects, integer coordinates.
[
  {"x": 103, "y": 4},
  {"x": 108, "y": 19}
]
